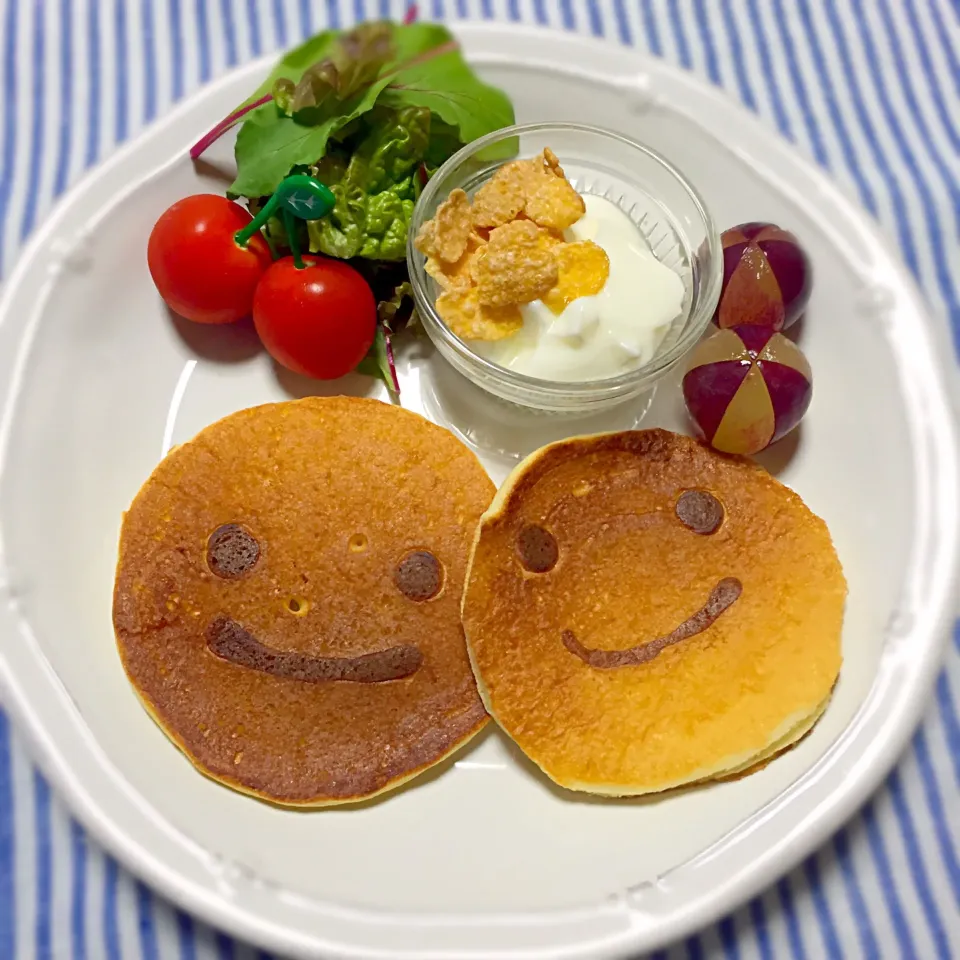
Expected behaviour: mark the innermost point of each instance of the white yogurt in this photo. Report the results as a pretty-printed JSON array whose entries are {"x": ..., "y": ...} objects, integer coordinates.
[{"x": 616, "y": 330}]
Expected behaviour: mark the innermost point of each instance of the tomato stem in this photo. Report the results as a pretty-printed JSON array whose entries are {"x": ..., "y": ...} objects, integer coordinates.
[
  {"x": 290, "y": 225},
  {"x": 243, "y": 236}
]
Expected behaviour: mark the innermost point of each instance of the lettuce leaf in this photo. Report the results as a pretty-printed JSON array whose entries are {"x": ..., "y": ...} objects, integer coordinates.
[
  {"x": 317, "y": 102},
  {"x": 376, "y": 188}
]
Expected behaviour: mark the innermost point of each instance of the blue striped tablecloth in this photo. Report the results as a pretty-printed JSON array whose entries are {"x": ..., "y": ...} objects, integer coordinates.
[{"x": 867, "y": 89}]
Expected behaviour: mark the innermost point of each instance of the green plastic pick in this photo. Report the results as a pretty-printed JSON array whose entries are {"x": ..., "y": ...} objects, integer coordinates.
[{"x": 298, "y": 197}]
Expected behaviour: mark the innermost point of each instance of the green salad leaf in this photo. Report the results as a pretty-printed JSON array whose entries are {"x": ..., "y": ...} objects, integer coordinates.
[
  {"x": 376, "y": 183},
  {"x": 323, "y": 87},
  {"x": 294, "y": 62},
  {"x": 446, "y": 86}
]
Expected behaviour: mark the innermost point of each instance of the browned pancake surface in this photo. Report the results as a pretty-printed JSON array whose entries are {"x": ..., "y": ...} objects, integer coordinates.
[
  {"x": 595, "y": 547},
  {"x": 330, "y": 497}
]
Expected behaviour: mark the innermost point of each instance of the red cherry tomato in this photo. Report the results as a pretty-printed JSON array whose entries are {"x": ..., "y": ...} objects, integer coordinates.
[
  {"x": 200, "y": 270},
  {"x": 319, "y": 321}
]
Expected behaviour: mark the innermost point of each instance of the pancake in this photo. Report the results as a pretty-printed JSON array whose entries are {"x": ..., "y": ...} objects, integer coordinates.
[
  {"x": 642, "y": 612},
  {"x": 287, "y": 598}
]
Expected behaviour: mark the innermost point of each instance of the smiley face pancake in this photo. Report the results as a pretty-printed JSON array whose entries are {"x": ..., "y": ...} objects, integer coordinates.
[
  {"x": 642, "y": 612},
  {"x": 287, "y": 598}
]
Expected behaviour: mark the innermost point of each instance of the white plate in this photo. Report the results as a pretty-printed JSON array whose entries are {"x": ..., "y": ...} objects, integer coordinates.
[{"x": 483, "y": 859}]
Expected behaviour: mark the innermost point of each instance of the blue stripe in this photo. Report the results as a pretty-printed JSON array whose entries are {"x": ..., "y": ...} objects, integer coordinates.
[
  {"x": 915, "y": 861},
  {"x": 149, "y": 62},
  {"x": 65, "y": 137},
  {"x": 306, "y": 19},
  {"x": 93, "y": 105},
  {"x": 280, "y": 22},
  {"x": 913, "y": 102},
  {"x": 694, "y": 948},
  {"x": 148, "y": 935},
  {"x": 623, "y": 23},
  {"x": 360, "y": 10},
  {"x": 769, "y": 78},
  {"x": 904, "y": 235},
  {"x": 887, "y": 886},
  {"x": 111, "y": 929},
  {"x": 727, "y": 929},
  {"x": 951, "y": 723},
  {"x": 758, "y": 917},
  {"x": 437, "y": 11},
  {"x": 929, "y": 72},
  {"x": 902, "y": 141},
  {"x": 650, "y": 28},
  {"x": 861, "y": 915},
  {"x": 32, "y": 185},
  {"x": 566, "y": 15},
  {"x": 44, "y": 868},
  {"x": 120, "y": 26},
  {"x": 828, "y": 931},
  {"x": 186, "y": 935},
  {"x": 8, "y": 894},
  {"x": 706, "y": 40},
  {"x": 540, "y": 11},
  {"x": 78, "y": 896},
  {"x": 596, "y": 20},
  {"x": 790, "y": 917},
  {"x": 738, "y": 56},
  {"x": 203, "y": 41},
  {"x": 679, "y": 35},
  {"x": 229, "y": 31},
  {"x": 944, "y": 37},
  {"x": 383, "y": 9},
  {"x": 513, "y": 9},
  {"x": 850, "y": 157},
  {"x": 486, "y": 9},
  {"x": 799, "y": 87},
  {"x": 253, "y": 21},
  {"x": 934, "y": 801},
  {"x": 224, "y": 947},
  {"x": 177, "y": 72}
]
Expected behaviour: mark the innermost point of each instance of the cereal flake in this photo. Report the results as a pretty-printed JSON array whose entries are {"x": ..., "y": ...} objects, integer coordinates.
[
  {"x": 518, "y": 265},
  {"x": 583, "y": 270}
]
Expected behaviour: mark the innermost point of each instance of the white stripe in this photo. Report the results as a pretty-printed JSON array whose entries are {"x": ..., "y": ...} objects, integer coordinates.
[
  {"x": 93, "y": 914},
  {"x": 904, "y": 32},
  {"x": 18, "y": 194},
  {"x": 25, "y": 850},
  {"x": 127, "y": 916},
  {"x": 838, "y": 84},
  {"x": 925, "y": 153},
  {"x": 46, "y": 163},
  {"x": 62, "y": 881}
]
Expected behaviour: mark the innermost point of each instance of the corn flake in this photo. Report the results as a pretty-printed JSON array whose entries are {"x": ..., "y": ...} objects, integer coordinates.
[
  {"x": 445, "y": 236},
  {"x": 551, "y": 164},
  {"x": 518, "y": 265},
  {"x": 458, "y": 275},
  {"x": 555, "y": 204},
  {"x": 461, "y": 310},
  {"x": 502, "y": 197},
  {"x": 583, "y": 268}
]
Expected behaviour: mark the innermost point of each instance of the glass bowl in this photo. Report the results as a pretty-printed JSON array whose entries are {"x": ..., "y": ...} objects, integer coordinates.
[{"x": 664, "y": 205}]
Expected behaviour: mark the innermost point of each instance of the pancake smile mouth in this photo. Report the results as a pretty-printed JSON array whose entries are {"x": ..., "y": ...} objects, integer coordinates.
[
  {"x": 723, "y": 596},
  {"x": 229, "y": 641}
]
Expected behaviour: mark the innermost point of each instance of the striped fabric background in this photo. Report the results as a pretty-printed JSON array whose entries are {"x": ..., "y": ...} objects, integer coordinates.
[{"x": 867, "y": 89}]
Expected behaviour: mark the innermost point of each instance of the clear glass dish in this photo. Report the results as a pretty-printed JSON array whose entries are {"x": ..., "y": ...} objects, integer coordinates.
[{"x": 663, "y": 204}]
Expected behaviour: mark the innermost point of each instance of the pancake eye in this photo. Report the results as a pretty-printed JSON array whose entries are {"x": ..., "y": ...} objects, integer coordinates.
[
  {"x": 538, "y": 549},
  {"x": 232, "y": 552},
  {"x": 700, "y": 511},
  {"x": 419, "y": 576}
]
